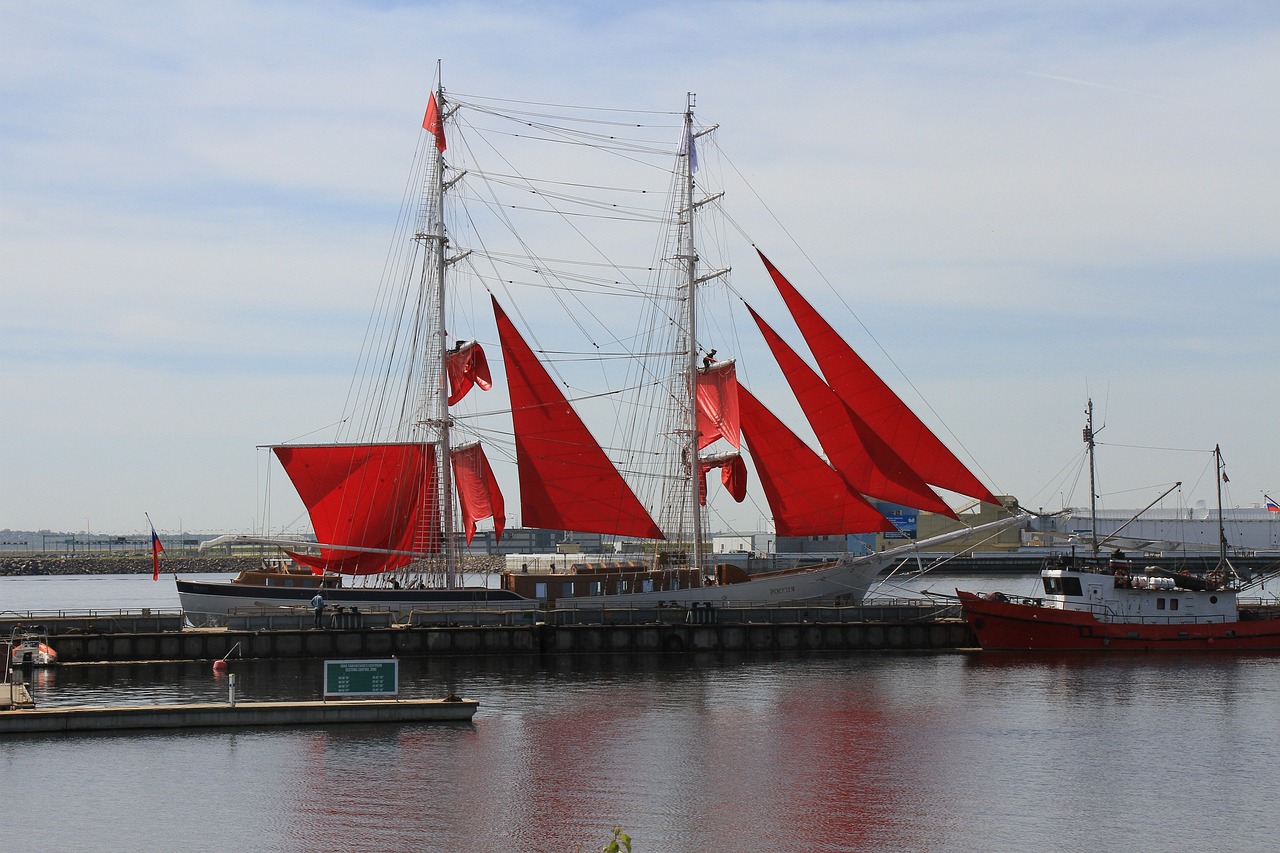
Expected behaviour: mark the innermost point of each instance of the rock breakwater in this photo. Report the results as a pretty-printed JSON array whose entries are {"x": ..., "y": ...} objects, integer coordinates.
[{"x": 15, "y": 566}]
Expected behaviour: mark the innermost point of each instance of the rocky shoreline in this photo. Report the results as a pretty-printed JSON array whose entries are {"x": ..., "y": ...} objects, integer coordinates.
[{"x": 139, "y": 565}]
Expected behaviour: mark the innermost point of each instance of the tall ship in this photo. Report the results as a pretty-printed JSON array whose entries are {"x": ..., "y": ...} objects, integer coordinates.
[
  {"x": 1108, "y": 602},
  {"x": 620, "y": 390}
]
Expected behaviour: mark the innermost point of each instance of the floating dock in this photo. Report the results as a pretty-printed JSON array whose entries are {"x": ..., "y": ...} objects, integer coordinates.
[{"x": 239, "y": 714}]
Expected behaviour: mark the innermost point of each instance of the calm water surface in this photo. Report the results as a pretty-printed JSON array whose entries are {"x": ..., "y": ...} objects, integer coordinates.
[{"x": 814, "y": 753}]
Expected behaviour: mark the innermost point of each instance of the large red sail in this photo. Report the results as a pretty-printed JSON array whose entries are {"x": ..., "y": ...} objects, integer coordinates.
[
  {"x": 852, "y": 447},
  {"x": 874, "y": 401},
  {"x": 478, "y": 493},
  {"x": 377, "y": 496},
  {"x": 717, "y": 398},
  {"x": 566, "y": 481},
  {"x": 806, "y": 495}
]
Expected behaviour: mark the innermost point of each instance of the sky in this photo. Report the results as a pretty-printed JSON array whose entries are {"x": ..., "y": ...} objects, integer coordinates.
[{"x": 1027, "y": 205}]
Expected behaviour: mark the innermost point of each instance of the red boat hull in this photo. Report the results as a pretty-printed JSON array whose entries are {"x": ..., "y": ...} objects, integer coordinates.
[{"x": 1010, "y": 626}]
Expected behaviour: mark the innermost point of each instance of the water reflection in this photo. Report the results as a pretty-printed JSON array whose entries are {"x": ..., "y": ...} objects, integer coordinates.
[{"x": 788, "y": 753}]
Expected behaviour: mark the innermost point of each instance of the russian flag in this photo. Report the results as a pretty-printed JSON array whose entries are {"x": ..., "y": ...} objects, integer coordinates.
[
  {"x": 156, "y": 548},
  {"x": 1271, "y": 506}
]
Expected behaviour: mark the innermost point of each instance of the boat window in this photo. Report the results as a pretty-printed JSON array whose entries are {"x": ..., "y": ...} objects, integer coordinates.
[
  {"x": 1071, "y": 586},
  {"x": 1053, "y": 586},
  {"x": 566, "y": 589},
  {"x": 540, "y": 590},
  {"x": 1159, "y": 604},
  {"x": 1173, "y": 604}
]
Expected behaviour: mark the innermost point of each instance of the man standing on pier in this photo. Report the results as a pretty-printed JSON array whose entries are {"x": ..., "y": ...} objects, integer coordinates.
[{"x": 317, "y": 604}]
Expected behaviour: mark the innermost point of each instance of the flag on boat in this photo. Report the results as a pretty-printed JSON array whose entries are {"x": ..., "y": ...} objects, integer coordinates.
[
  {"x": 1272, "y": 506},
  {"x": 156, "y": 548},
  {"x": 432, "y": 124}
]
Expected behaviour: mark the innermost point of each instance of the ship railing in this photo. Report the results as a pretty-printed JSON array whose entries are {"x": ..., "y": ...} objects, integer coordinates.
[{"x": 95, "y": 621}]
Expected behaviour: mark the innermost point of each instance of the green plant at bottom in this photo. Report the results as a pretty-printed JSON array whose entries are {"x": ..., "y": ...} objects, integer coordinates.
[{"x": 620, "y": 841}]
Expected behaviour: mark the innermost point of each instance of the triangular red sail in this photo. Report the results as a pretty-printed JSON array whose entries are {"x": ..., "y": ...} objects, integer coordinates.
[
  {"x": 874, "y": 401},
  {"x": 478, "y": 493},
  {"x": 718, "y": 404},
  {"x": 806, "y": 495},
  {"x": 733, "y": 475},
  {"x": 467, "y": 366},
  {"x": 377, "y": 496},
  {"x": 566, "y": 481},
  {"x": 853, "y": 448}
]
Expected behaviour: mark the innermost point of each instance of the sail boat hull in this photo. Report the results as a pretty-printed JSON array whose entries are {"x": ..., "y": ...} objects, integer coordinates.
[
  {"x": 841, "y": 581},
  {"x": 212, "y": 603},
  {"x": 846, "y": 580}
]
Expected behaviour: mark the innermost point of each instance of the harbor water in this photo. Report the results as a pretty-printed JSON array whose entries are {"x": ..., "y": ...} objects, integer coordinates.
[{"x": 818, "y": 752}]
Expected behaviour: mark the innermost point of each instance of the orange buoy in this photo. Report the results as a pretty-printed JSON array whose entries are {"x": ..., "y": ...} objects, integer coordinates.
[{"x": 220, "y": 667}]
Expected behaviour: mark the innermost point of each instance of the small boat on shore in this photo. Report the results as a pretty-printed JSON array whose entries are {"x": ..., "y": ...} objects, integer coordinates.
[{"x": 1106, "y": 604}]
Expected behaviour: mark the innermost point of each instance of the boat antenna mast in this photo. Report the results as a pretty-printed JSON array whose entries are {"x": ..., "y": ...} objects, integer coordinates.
[
  {"x": 1091, "y": 444},
  {"x": 1224, "y": 566}
]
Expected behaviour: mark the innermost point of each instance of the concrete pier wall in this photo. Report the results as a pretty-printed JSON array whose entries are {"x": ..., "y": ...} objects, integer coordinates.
[{"x": 669, "y": 638}]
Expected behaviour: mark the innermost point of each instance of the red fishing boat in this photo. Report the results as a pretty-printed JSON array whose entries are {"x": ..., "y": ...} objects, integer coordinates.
[{"x": 1093, "y": 604}]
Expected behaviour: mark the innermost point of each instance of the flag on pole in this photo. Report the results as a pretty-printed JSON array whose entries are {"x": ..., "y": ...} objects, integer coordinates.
[
  {"x": 156, "y": 548},
  {"x": 1272, "y": 506},
  {"x": 432, "y": 124}
]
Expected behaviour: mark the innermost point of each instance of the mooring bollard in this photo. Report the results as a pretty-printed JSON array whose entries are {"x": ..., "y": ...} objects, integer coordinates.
[{"x": 231, "y": 690}]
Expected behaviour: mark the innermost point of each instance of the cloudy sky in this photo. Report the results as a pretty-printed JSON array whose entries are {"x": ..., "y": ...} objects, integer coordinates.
[{"x": 1028, "y": 203}]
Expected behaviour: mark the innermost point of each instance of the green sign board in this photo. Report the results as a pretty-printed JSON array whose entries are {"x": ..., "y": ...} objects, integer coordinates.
[{"x": 361, "y": 677}]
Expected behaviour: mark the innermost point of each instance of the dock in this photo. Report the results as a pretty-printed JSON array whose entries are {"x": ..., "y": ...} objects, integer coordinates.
[
  {"x": 238, "y": 714},
  {"x": 285, "y": 635}
]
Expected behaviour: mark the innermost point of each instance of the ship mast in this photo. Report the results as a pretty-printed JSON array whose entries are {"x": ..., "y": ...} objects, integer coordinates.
[
  {"x": 435, "y": 393},
  {"x": 689, "y": 254}
]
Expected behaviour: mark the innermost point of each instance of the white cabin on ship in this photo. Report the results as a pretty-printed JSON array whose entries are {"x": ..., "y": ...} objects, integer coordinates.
[{"x": 1124, "y": 597}]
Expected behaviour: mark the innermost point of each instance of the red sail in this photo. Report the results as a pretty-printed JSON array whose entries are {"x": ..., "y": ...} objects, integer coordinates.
[
  {"x": 566, "y": 481},
  {"x": 806, "y": 495},
  {"x": 733, "y": 474},
  {"x": 377, "y": 496},
  {"x": 478, "y": 493},
  {"x": 718, "y": 404},
  {"x": 874, "y": 401},
  {"x": 853, "y": 448},
  {"x": 467, "y": 366}
]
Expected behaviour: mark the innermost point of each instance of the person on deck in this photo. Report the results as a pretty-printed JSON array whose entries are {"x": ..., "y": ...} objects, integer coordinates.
[{"x": 317, "y": 604}]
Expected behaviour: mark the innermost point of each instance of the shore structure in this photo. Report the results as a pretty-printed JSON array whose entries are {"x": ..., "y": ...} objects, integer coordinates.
[{"x": 236, "y": 714}]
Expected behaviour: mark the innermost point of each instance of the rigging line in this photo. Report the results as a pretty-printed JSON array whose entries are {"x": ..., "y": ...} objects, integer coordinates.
[
  {"x": 587, "y": 240},
  {"x": 406, "y": 210},
  {"x": 1149, "y": 447},
  {"x": 840, "y": 297},
  {"x": 502, "y": 178},
  {"x": 562, "y": 214},
  {"x": 558, "y": 134},
  {"x": 616, "y": 293},
  {"x": 573, "y": 262},
  {"x": 475, "y": 99}
]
